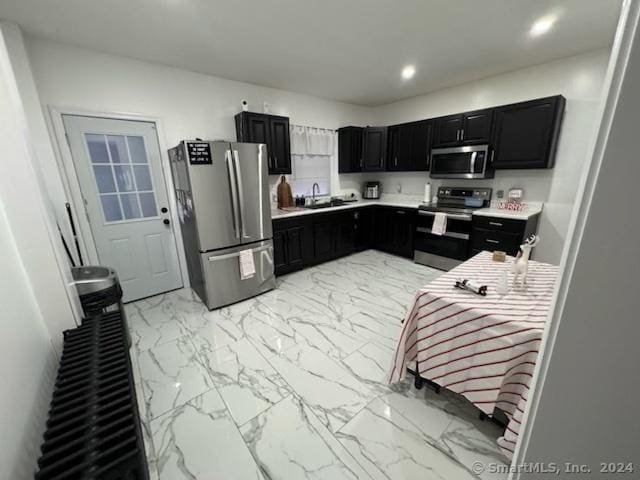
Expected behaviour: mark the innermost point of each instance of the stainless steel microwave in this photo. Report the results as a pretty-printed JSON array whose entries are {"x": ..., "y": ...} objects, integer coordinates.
[{"x": 461, "y": 162}]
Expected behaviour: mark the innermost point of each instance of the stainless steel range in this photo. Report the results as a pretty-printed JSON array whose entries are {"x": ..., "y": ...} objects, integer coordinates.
[{"x": 448, "y": 250}]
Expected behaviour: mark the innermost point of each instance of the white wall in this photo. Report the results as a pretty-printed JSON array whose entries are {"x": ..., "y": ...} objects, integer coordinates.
[
  {"x": 195, "y": 105},
  {"x": 189, "y": 104},
  {"x": 25, "y": 197},
  {"x": 585, "y": 409},
  {"x": 578, "y": 78},
  {"x": 27, "y": 357}
]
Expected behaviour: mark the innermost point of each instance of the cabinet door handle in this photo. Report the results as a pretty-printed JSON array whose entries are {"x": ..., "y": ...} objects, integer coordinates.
[
  {"x": 462, "y": 134},
  {"x": 489, "y": 240},
  {"x": 395, "y": 161},
  {"x": 400, "y": 212},
  {"x": 457, "y": 135},
  {"x": 495, "y": 224},
  {"x": 493, "y": 152}
]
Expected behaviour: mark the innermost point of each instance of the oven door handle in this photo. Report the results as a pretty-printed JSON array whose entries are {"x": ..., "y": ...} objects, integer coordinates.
[
  {"x": 459, "y": 236},
  {"x": 453, "y": 216}
]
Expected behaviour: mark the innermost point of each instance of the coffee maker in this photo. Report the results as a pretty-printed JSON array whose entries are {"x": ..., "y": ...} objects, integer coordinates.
[{"x": 372, "y": 190}]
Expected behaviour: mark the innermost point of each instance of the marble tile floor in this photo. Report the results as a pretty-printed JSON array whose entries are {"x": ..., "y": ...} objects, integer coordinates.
[{"x": 292, "y": 384}]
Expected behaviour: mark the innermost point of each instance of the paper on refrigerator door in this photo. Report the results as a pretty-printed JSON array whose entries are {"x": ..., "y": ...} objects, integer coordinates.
[
  {"x": 247, "y": 266},
  {"x": 439, "y": 224}
]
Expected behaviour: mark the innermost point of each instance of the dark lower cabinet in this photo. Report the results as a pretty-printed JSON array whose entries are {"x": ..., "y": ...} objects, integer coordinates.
[
  {"x": 324, "y": 241},
  {"x": 345, "y": 236},
  {"x": 307, "y": 240},
  {"x": 364, "y": 228},
  {"x": 279, "y": 250},
  {"x": 394, "y": 230},
  {"x": 494, "y": 233},
  {"x": 292, "y": 244},
  {"x": 334, "y": 235}
]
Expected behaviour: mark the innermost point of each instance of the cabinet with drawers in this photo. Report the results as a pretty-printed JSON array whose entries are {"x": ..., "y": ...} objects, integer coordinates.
[{"x": 497, "y": 233}]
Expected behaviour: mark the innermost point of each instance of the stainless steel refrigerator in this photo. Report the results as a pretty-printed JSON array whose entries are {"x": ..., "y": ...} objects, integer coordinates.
[{"x": 222, "y": 192}]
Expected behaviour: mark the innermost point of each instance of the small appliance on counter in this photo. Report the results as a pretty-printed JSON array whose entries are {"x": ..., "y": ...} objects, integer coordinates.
[{"x": 372, "y": 191}]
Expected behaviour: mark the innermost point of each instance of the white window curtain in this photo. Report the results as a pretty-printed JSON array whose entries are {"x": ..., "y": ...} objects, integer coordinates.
[{"x": 311, "y": 157}]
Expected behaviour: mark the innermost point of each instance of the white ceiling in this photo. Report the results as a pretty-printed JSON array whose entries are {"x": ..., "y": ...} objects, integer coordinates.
[{"x": 348, "y": 50}]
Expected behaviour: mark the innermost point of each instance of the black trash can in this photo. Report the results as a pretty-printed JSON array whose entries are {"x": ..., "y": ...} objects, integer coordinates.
[{"x": 99, "y": 291}]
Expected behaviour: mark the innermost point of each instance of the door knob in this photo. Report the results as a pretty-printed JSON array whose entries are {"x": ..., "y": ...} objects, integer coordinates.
[
  {"x": 164, "y": 210},
  {"x": 166, "y": 221}
]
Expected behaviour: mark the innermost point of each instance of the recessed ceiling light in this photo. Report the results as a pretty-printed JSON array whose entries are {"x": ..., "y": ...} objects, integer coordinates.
[
  {"x": 542, "y": 25},
  {"x": 408, "y": 72}
]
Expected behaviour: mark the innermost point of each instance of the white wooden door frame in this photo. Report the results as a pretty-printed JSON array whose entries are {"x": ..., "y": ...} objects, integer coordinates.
[{"x": 72, "y": 184}]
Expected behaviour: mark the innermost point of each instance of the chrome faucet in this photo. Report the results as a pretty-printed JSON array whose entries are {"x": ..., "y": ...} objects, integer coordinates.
[{"x": 313, "y": 192}]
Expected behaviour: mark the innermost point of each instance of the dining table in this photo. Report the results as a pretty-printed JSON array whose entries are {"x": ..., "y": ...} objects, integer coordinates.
[{"x": 482, "y": 347}]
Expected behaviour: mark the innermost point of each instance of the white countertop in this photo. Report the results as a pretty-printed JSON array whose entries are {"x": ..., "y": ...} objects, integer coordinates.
[
  {"x": 387, "y": 202},
  {"x": 532, "y": 210},
  {"x": 409, "y": 202}
]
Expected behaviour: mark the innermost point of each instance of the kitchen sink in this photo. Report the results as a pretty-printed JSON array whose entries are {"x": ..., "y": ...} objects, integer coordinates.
[{"x": 332, "y": 203}]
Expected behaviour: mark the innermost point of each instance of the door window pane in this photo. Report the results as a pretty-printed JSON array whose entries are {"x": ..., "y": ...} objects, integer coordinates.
[
  {"x": 130, "y": 205},
  {"x": 104, "y": 178},
  {"x": 124, "y": 178},
  {"x": 111, "y": 208},
  {"x": 143, "y": 178},
  {"x": 118, "y": 149},
  {"x": 97, "y": 148},
  {"x": 136, "y": 149},
  {"x": 148, "y": 204}
]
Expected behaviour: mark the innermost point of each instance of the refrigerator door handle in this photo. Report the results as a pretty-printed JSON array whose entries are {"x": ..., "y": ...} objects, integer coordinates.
[
  {"x": 236, "y": 159},
  {"x": 227, "y": 256},
  {"x": 234, "y": 194}
]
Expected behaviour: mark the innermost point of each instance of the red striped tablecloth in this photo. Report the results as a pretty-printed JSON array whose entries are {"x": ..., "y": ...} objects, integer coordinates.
[{"x": 484, "y": 348}]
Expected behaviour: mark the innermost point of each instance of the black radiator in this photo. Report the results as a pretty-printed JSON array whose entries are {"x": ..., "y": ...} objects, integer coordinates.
[{"x": 93, "y": 431}]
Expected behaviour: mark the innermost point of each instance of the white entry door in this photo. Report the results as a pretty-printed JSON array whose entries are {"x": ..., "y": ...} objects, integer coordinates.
[{"x": 118, "y": 166}]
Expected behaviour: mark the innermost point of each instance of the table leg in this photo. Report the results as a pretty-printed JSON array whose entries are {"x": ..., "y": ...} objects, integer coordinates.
[{"x": 417, "y": 379}]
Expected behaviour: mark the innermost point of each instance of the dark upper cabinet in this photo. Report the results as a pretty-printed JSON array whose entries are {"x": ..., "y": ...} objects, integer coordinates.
[
  {"x": 421, "y": 145},
  {"x": 399, "y": 140},
  {"x": 476, "y": 127},
  {"x": 257, "y": 128},
  {"x": 374, "y": 149},
  {"x": 409, "y": 146},
  {"x": 469, "y": 128},
  {"x": 526, "y": 134},
  {"x": 271, "y": 130},
  {"x": 350, "y": 149},
  {"x": 280, "y": 145},
  {"x": 448, "y": 131}
]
